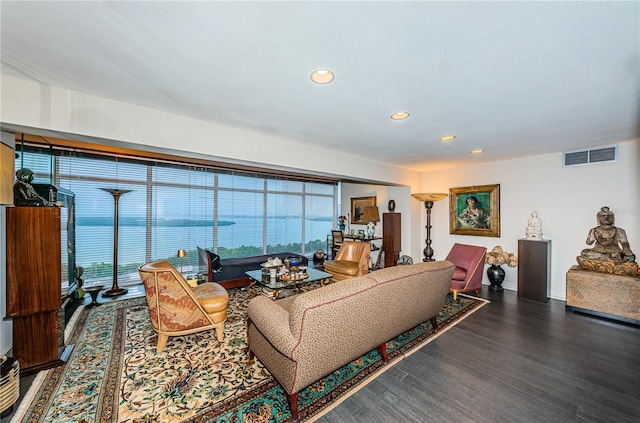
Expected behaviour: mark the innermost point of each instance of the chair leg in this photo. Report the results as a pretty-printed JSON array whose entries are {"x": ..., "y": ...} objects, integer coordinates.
[
  {"x": 455, "y": 295},
  {"x": 478, "y": 292},
  {"x": 162, "y": 342},
  {"x": 220, "y": 332}
]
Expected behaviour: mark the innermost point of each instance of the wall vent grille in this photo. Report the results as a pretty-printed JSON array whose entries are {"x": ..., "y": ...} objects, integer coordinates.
[{"x": 592, "y": 156}]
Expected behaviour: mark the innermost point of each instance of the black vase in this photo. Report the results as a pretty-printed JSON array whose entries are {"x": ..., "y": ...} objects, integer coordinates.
[{"x": 495, "y": 273}]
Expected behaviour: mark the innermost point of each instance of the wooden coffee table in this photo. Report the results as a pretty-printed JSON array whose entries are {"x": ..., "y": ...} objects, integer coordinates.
[{"x": 279, "y": 286}]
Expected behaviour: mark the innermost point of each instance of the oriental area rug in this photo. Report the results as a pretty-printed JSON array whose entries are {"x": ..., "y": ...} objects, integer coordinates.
[{"x": 114, "y": 374}]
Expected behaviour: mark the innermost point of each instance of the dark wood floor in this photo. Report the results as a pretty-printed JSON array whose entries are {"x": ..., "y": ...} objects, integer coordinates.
[{"x": 511, "y": 361}]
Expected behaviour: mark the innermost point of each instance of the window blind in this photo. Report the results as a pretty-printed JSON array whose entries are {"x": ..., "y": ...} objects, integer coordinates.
[{"x": 175, "y": 206}]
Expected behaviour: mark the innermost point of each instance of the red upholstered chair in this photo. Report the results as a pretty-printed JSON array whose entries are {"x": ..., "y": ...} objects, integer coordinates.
[{"x": 469, "y": 261}]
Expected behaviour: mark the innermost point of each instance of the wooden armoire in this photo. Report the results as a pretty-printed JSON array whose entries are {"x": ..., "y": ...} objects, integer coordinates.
[
  {"x": 391, "y": 239},
  {"x": 34, "y": 298}
]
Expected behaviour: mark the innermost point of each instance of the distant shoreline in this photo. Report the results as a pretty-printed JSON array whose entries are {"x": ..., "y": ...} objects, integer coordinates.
[{"x": 136, "y": 221}]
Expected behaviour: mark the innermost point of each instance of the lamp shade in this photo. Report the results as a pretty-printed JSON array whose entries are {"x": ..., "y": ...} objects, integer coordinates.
[
  {"x": 181, "y": 253},
  {"x": 427, "y": 196},
  {"x": 371, "y": 214}
]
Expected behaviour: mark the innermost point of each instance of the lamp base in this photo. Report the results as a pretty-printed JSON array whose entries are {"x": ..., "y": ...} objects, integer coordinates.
[
  {"x": 371, "y": 230},
  {"x": 114, "y": 292}
]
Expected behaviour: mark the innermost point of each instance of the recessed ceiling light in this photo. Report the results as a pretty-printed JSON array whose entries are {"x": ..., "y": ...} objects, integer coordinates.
[
  {"x": 400, "y": 115},
  {"x": 477, "y": 151},
  {"x": 448, "y": 138},
  {"x": 322, "y": 76}
]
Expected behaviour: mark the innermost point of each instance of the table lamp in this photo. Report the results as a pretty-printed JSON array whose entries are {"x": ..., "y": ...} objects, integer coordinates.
[
  {"x": 371, "y": 215},
  {"x": 429, "y": 199},
  {"x": 182, "y": 254}
]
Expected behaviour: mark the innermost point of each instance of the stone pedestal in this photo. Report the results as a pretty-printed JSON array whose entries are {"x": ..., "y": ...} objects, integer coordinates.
[{"x": 612, "y": 296}]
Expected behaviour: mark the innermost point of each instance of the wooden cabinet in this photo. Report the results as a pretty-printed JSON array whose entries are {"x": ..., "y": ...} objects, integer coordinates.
[
  {"x": 534, "y": 269},
  {"x": 6, "y": 173},
  {"x": 33, "y": 286},
  {"x": 391, "y": 238}
]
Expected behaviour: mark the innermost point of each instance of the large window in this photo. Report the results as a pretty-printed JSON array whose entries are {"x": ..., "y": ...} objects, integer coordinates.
[{"x": 174, "y": 206}]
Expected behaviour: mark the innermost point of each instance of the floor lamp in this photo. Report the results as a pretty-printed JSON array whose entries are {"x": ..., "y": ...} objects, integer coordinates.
[
  {"x": 115, "y": 289},
  {"x": 429, "y": 199}
]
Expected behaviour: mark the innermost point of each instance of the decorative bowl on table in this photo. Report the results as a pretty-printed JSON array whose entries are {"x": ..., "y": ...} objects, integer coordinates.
[
  {"x": 294, "y": 276},
  {"x": 293, "y": 261}
]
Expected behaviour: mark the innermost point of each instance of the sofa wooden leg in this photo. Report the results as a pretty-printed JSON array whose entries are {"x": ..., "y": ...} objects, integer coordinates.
[
  {"x": 455, "y": 295},
  {"x": 293, "y": 405},
  {"x": 382, "y": 349},
  {"x": 434, "y": 324}
]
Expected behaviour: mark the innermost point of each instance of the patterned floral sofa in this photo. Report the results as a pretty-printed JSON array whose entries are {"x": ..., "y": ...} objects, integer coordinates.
[{"x": 301, "y": 339}]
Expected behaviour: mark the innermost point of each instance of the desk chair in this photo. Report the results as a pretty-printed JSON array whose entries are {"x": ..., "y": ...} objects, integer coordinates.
[{"x": 336, "y": 242}]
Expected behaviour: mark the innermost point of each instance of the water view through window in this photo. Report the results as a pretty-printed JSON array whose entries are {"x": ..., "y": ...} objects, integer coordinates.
[{"x": 172, "y": 207}]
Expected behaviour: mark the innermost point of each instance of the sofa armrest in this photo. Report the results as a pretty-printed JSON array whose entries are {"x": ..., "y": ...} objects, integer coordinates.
[{"x": 273, "y": 322}]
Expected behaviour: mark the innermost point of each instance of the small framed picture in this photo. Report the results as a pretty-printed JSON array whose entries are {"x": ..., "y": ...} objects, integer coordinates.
[
  {"x": 357, "y": 209},
  {"x": 361, "y": 232},
  {"x": 475, "y": 210}
]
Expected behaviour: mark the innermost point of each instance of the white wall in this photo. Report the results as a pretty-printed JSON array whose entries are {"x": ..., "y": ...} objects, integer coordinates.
[
  {"x": 566, "y": 199},
  {"x": 30, "y": 104}
]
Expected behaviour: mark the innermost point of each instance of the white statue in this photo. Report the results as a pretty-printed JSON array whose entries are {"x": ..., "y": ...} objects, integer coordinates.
[{"x": 534, "y": 227}]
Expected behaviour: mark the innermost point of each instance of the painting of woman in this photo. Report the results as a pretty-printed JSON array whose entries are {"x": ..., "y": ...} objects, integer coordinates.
[{"x": 473, "y": 215}]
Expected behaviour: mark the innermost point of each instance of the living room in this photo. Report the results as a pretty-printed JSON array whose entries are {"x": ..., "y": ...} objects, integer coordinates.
[{"x": 566, "y": 198}]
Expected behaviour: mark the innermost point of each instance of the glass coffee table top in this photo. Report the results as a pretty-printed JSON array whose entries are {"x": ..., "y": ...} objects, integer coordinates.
[{"x": 279, "y": 284}]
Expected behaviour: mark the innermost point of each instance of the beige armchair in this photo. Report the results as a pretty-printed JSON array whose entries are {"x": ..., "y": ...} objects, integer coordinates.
[
  {"x": 177, "y": 309},
  {"x": 351, "y": 261}
]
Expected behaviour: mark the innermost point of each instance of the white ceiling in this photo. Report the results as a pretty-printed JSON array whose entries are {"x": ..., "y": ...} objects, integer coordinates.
[{"x": 515, "y": 78}]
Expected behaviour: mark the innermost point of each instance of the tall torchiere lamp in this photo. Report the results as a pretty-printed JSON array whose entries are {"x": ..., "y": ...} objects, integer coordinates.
[
  {"x": 429, "y": 199},
  {"x": 115, "y": 289}
]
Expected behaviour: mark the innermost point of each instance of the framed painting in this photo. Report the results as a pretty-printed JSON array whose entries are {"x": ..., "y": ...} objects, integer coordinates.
[
  {"x": 475, "y": 210},
  {"x": 357, "y": 209}
]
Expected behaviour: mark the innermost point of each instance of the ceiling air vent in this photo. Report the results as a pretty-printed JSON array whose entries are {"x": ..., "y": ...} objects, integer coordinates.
[{"x": 595, "y": 155}]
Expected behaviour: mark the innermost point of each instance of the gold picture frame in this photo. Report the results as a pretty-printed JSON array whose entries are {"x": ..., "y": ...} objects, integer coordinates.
[
  {"x": 475, "y": 210},
  {"x": 357, "y": 208}
]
